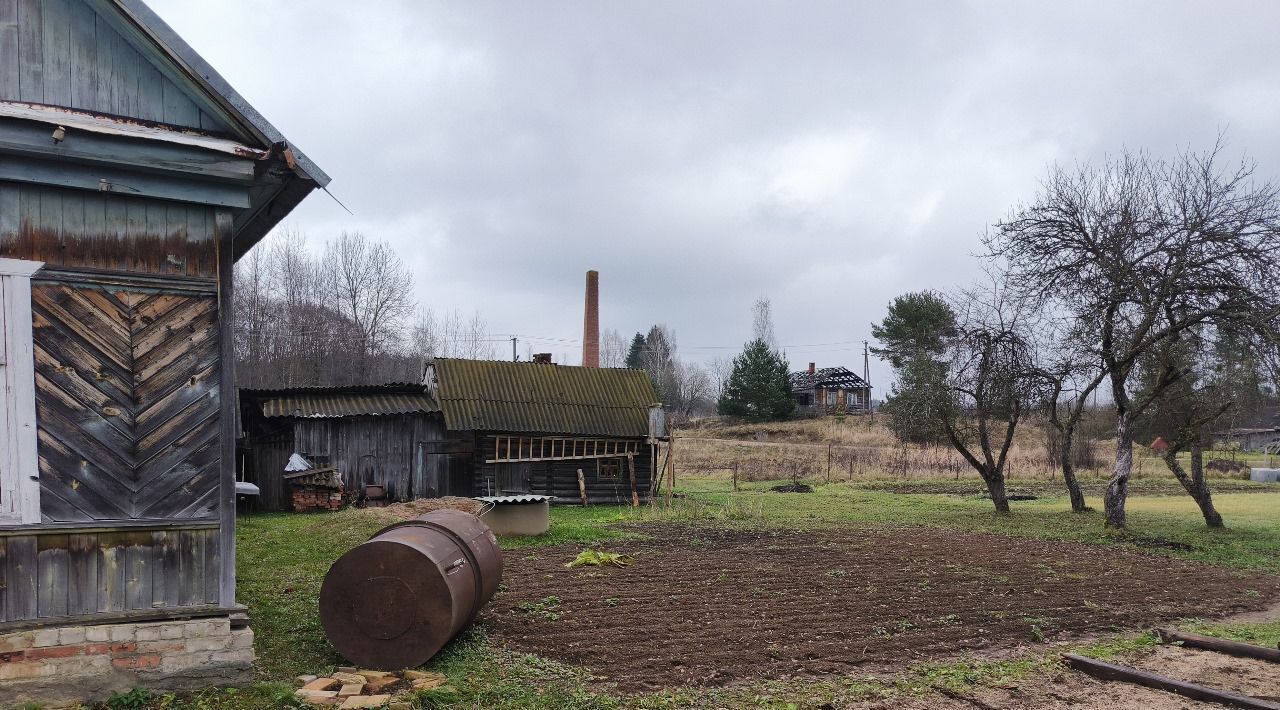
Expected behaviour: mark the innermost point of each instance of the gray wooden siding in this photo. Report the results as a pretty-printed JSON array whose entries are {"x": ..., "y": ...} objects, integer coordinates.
[
  {"x": 103, "y": 231},
  {"x": 63, "y": 53},
  {"x": 127, "y": 402},
  {"x": 69, "y": 573},
  {"x": 371, "y": 450}
]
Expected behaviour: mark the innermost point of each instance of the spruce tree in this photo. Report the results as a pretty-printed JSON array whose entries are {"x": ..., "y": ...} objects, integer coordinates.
[
  {"x": 758, "y": 388},
  {"x": 635, "y": 356}
]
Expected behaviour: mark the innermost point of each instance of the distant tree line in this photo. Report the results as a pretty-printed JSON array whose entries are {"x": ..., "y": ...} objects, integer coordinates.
[{"x": 345, "y": 316}]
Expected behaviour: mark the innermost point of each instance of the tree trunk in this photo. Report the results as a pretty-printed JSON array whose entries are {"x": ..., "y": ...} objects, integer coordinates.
[
  {"x": 996, "y": 487},
  {"x": 1118, "y": 488},
  {"x": 1069, "y": 472},
  {"x": 1195, "y": 484}
]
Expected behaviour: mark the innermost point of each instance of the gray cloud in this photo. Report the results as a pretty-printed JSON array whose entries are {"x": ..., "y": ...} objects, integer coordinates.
[{"x": 827, "y": 155}]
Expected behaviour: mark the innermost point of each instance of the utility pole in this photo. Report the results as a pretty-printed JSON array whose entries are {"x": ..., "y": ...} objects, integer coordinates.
[{"x": 514, "y": 358}]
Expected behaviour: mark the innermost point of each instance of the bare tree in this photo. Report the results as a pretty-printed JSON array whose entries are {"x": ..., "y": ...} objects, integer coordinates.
[
  {"x": 719, "y": 368},
  {"x": 368, "y": 285},
  {"x": 613, "y": 348},
  {"x": 1139, "y": 250},
  {"x": 762, "y": 323},
  {"x": 1069, "y": 374},
  {"x": 450, "y": 335}
]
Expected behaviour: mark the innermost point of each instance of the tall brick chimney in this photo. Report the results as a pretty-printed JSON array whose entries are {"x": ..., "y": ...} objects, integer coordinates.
[
  {"x": 591, "y": 322},
  {"x": 812, "y": 368}
]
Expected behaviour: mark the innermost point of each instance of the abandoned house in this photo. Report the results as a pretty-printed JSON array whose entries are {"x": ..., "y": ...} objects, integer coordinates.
[
  {"x": 830, "y": 390},
  {"x": 131, "y": 178},
  {"x": 388, "y": 438},
  {"x": 530, "y": 427}
]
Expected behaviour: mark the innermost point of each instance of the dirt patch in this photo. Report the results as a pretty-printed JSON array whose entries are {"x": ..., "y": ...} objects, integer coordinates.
[
  {"x": 711, "y": 606},
  {"x": 398, "y": 512},
  {"x": 793, "y": 488}
]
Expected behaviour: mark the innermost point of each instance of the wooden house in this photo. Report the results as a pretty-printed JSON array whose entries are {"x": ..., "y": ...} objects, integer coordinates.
[
  {"x": 530, "y": 427},
  {"x": 830, "y": 390},
  {"x": 391, "y": 436},
  {"x": 131, "y": 178}
]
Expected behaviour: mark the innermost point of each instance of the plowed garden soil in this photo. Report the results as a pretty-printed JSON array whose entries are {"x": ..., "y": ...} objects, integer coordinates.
[{"x": 712, "y": 606}]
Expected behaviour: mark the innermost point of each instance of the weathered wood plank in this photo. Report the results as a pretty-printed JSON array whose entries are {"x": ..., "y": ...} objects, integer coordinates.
[
  {"x": 9, "y": 87},
  {"x": 32, "y": 139},
  {"x": 93, "y": 178},
  {"x": 1109, "y": 671},
  {"x": 30, "y": 51},
  {"x": 223, "y": 225},
  {"x": 138, "y": 570},
  {"x": 20, "y": 599},
  {"x": 104, "y": 64},
  {"x": 84, "y": 56},
  {"x": 56, "y": 45},
  {"x": 83, "y": 574},
  {"x": 4, "y": 579},
  {"x": 10, "y": 214},
  {"x": 150, "y": 92},
  {"x": 212, "y": 566},
  {"x": 125, "y": 62},
  {"x": 171, "y": 553},
  {"x": 1211, "y": 643},
  {"x": 192, "y": 583},
  {"x": 178, "y": 107},
  {"x": 53, "y": 563},
  {"x": 111, "y": 585}
]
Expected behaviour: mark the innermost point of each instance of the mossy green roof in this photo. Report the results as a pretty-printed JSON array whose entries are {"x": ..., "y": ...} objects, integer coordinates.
[{"x": 541, "y": 398}]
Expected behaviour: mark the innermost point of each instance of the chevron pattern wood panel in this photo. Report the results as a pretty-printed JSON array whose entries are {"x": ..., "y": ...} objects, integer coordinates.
[{"x": 127, "y": 402}]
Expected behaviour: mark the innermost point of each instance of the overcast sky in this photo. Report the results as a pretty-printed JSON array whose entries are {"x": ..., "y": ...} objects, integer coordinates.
[{"x": 700, "y": 155}]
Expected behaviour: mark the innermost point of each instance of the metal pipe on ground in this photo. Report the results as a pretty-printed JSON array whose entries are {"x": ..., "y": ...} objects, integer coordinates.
[{"x": 394, "y": 601}]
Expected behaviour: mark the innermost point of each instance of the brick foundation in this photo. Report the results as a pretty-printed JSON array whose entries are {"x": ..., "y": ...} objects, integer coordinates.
[{"x": 69, "y": 664}]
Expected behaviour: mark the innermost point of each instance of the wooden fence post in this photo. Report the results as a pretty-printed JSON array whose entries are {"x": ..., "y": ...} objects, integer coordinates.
[
  {"x": 735, "y": 476},
  {"x": 582, "y": 488},
  {"x": 635, "y": 495},
  {"x": 828, "y": 462}
]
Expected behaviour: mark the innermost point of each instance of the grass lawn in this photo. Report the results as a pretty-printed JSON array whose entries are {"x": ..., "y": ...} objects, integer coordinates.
[{"x": 282, "y": 559}]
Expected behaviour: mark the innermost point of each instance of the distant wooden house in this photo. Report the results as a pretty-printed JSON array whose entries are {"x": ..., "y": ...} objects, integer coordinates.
[
  {"x": 390, "y": 436},
  {"x": 131, "y": 178},
  {"x": 530, "y": 427},
  {"x": 830, "y": 390}
]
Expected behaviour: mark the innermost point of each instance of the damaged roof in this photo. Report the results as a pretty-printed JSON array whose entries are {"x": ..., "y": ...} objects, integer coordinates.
[
  {"x": 490, "y": 395},
  {"x": 337, "y": 402},
  {"x": 827, "y": 378}
]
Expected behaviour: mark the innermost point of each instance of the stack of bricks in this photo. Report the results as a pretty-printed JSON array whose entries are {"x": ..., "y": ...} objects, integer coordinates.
[
  {"x": 316, "y": 498},
  {"x": 74, "y": 663}
]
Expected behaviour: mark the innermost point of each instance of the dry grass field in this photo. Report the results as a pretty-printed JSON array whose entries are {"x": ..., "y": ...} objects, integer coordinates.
[{"x": 862, "y": 448}]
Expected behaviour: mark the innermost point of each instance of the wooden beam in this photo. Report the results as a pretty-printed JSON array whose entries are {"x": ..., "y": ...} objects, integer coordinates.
[
  {"x": 34, "y": 140},
  {"x": 1109, "y": 671},
  {"x": 135, "y": 184},
  {"x": 224, "y": 238},
  {"x": 1211, "y": 643}
]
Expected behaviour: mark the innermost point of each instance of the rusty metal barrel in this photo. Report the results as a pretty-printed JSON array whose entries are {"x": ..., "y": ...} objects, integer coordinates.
[{"x": 395, "y": 600}]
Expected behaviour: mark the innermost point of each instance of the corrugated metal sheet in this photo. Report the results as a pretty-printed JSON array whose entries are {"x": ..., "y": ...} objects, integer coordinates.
[
  {"x": 336, "y": 402},
  {"x": 486, "y": 395},
  {"x": 510, "y": 500}
]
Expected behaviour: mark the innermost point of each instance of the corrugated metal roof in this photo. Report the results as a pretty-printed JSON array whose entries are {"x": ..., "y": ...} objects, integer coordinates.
[
  {"x": 490, "y": 395},
  {"x": 335, "y": 402}
]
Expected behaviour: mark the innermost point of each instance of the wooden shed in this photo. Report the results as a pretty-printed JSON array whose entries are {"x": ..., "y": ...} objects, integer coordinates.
[
  {"x": 530, "y": 427},
  {"x": 385, "y": 435},
  {"x": 131, "y": 178}
]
